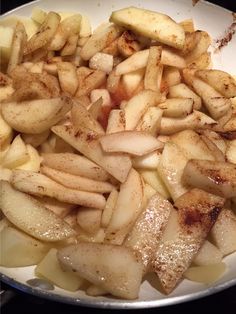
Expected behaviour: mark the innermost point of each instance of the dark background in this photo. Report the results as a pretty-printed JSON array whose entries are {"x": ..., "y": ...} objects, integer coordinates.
[{"x": 220, "y": 303}]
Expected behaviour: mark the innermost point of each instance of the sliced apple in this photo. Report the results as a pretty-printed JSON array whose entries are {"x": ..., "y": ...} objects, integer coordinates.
[
  {"x": 192, "y": 145},
  {"x": 208, "y": 254},
  {"x": 220, "y": 80},
  {"x": 135, "y": 62},
  {"x": 197, "y": 212},
  {"x": 149, "y": 161},
  {"x": 194, "y": 121},
  {"x": 127, "y": 209},
  {"x": 50, "y": 269},
  {"x": 206, "y": 274},
  {"x": 148, "y": 228},
  {"x": 89, "y": 219},
  {"x": 183, "y": 91},
  {"x": 116, "y": 121},
  {"x": 33, "y": 164},
  {"x": 131, "y": 142},
  {"x": 40, "y": 185},
  {"x": 231, "y": 151},
  {"x": 223, "y": 232},
  {"x": 16, "y": 155},
  {"x": 76, "y": 182},
  {"x": 177, "y": 107},
  {"x": 153, "y": 178},
  {"x": 6, "y": 133},
  {"x": 28, "y": 118},
  {"x": 18, "y": 249},
  {"x": 151, "y": 24},
  {"x": 76, "y": 165},
  {"x": 151, "y": 121},
  {"x": 132, "y": 80},
  {"x": 212, "y": 176},
  {"x": 87, "y": 142},
  {"x": 109, "y": 208},
  {"x": 31, "y": 216},
  {"x": 113, "y": 268},
  {"x": 170, "y": 169},
  {"x": 137, "y": 106}
]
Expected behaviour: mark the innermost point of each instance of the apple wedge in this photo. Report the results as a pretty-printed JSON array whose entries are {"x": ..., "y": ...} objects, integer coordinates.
[
  {"x": 40, "y": 185},
  {"x": 50, "y": 269},
  {"x": 109, "y": 208},
  {"x": 153, "y": 178},
  {"x": 177, "y": 107},
  {"x": 33, "y": 164},
  {"x": 206, "y": 274},
  {"x": 138, "y": 105},
  {"x": 154, "y": 69},
  {"x": 213, "y": 176},
  {"x": 131, "y": 142},
  {"x": 194, "y": 121},
  {"x": 151, "y": 121},
  {"x": 132, "y": 80},
  {"x": 81, "y": 117},
  {"x": 149, "y": 161},
  {"x": 192, "y": 145},
  {"x": 151, "y": 24},
  {"x": 170, "y": 169},
  {"x": 183, "y": 91},
  {"x": 75, "y": 164},
  {"x": 77, "y": 182},
  {"x": 6, "y": 132},
  {"x": 223, "y": 232},
  {"x": 148, "y": 228},
  {"x": 89, "y": 219},
  {"x": 135, "y": 62},
  {"x": 196, "y": 213},
  {"x": 87, "y": 143},
  {"x": 113, "y": 268},
  {"x": 216, "y": 104},
  {"x": 231, "y": 151},
  {"x": 28, "y": 116},
  {"x": 16, "y": 155},
  {"x": 31, "y": 216},
  {"x": 19, "y": 249},
  {"x": 224, "y": 83},
  {"x": 116, "y": 121},
  {"x": 128, "y": 207},
  {"x": 208, "y": 254}
]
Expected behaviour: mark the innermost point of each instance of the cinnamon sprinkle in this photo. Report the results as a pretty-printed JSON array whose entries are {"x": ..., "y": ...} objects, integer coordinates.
[{"x": 223, "y": 42}]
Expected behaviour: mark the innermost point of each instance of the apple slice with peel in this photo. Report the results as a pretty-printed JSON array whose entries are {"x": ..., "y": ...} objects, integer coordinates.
[
  {"x": 170, "y": 169},
  {"x": 205, "y": 274},
  {"x": 216, "y": 177},
  {"x": 40, "y": 185},
  {"x": 151, "y": 24},
  {"x": 148, "y": 228},
  {"x": 131, "y": 142},
  {"x": 113, "y": 268},
  {"x": 31, "y": 216},
  {"x": 87, "y": 143},
  {"x": 128, "y": 207},
  {"x": 196, "y": 213}
]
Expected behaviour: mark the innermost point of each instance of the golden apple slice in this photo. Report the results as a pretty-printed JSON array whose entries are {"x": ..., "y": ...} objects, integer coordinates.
[
  {"x": 114, "y": 268},
  {"x": 40, "y": 185},
  {"x": 197, "y": 212},
  {"x": 109, "y": 208},
  {"x": 148, "y": 228},
  {"x": 177, "y": 107},
  {"x": 223, "y": 232},
  {"x": 153, "y": 178},
  {"x": 89, "y": 219},
  {"x": 19, "y": 249},
  {"x": 33, "y": 164},
  {"x": 213, "y": 176},
  {"x": 31, "y": 216},
  {"x": 149, "y": 161},
  {"x": 231, "y": 151},
  {"x": 151, "y": 121},
  {"x": 75, "y": 164},
  {"x": 116, "y": 121},
  {"x": 170, "y": 169},
  {"x": 87, "y": 142},
  {"x": 151, "y": 24},
  {"x": 131, "y": 142},
  {"x": 128, "y": 207}
]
